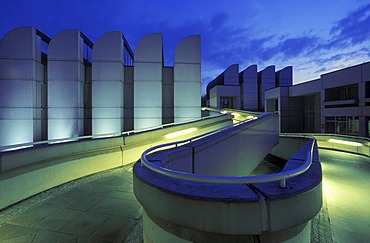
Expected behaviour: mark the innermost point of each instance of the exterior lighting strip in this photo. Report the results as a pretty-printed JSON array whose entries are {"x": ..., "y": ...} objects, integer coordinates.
[
  {"x": 180, "y": 133},
  {"x": 333, "y": 140}
]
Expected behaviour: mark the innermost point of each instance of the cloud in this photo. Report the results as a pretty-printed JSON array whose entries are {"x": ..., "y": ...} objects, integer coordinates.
[
  {"x": 296, "y": 46},
  {"x": 352, "y": 29}
]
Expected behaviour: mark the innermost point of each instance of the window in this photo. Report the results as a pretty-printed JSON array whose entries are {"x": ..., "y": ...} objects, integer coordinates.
[
  {"x": 353, "y": 125},
  {"x": 342, "y": 125},
  {"x": 330, "y": 124},
  {"x": 367, "y": 89},
  {"x": 342, "y": 93}
]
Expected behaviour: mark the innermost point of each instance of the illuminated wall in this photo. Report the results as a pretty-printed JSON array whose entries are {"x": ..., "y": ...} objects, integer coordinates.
[
  {"x": 187, "y": 72},
  {"x": 148, "y": 81},
  {"x": 108, "y": 84},
  {"x": 249, "y": 88},
  {"x": 66, "y": 85},
  {"x": 21, "y": 77}
]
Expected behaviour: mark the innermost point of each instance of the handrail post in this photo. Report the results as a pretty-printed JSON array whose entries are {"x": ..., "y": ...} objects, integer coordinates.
[{"x": 282, "y": 183}]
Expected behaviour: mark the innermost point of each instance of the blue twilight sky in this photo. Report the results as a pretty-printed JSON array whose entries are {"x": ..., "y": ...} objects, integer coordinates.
[{"x": 314, "y": 37}]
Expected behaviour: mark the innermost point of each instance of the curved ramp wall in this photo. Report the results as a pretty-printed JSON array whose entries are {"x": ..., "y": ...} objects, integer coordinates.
[
  {"x": 177, "y": 210},
  {"x": 26, "y": 172},
  {"x": 236, "y": 151}
]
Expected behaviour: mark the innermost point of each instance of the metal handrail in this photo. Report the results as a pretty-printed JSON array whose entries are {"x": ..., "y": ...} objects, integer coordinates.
[{"x": 281, "y": 176}]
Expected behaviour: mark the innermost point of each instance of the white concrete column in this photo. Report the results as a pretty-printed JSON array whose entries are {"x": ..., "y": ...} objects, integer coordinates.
[
  {"x": 66, "y": 85},
  {"x": 108, "y": 84},
  {"x": 148, "y": 81},
  {"x": 21, "y": 77}
]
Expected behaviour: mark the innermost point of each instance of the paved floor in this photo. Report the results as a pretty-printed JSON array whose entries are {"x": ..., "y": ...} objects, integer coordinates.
[
  {"x": 97, "y": 208},
  {"x": 102, "y": 207},
  {"x": 347, "y": 191}
]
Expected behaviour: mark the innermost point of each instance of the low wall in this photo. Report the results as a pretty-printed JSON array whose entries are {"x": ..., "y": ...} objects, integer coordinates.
[
  {"x": 26, "y": 172},
  {"x": 323, "y": 141},
  {"x": 356, "y": 145}
]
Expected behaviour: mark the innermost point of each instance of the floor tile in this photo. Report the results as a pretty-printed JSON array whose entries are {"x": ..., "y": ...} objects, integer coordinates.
[
  {"x": 58, "y": 219},
  {"x": 48, "y": 236},
  {"x": 33, "y": 215},
  {"x": 16, "y": 233},
  {"x": 115, "y": 229},
  {"x": 85, "y": 225}
]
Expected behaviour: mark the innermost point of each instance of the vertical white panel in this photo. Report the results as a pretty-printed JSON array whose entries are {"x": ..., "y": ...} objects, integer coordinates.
[
  {"x": 20, "y": 85},
  {"x": 148, "y": 82},
  {"x": 267, "y": 81},
  {"x": 249, "y": 88},
  {"x": 187, "y": 77},
  {"x": 108, "y": 84},
  {"x": 65, "y": 85},
  {"x": 285, "y": 77}
]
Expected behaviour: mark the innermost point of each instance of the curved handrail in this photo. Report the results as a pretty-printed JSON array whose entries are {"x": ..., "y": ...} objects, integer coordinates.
[{"x": 281, "y": 176}]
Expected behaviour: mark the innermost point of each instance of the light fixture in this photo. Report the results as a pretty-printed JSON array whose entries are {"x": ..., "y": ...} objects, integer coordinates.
[
  {"x": 332, "y": 140},
  {"x": 179, "y": 133}
]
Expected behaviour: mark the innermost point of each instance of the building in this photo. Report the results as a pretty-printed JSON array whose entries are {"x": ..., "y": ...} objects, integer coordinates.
[
  {"x": 67, "y": 86},
  {"x": 245, "y": 90},
  {"x": 338, "y": 102}
]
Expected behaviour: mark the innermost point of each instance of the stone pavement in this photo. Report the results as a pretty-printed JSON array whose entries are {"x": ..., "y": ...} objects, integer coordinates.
[
  {"x": 103, "y": 208},
  {"x": 97, "y": 208}
]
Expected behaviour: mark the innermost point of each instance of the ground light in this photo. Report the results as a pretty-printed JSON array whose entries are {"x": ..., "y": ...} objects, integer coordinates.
[
  {"x": 332, "y": 140},
  {"x": 181, "y": 132}
]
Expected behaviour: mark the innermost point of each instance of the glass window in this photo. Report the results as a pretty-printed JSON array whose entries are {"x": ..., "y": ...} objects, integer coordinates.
[
  {"x": 330, "y": 124},
  {"x": 353, "y": 125},
  {"x": 341, "y": 125}
]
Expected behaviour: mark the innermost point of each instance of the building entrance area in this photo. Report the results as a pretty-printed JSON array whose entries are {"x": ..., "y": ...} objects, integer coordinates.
[{"x": 228, "y": 102}]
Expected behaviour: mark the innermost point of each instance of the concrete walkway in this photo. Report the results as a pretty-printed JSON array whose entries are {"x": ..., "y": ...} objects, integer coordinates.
[{"x": 102, "y": 207}]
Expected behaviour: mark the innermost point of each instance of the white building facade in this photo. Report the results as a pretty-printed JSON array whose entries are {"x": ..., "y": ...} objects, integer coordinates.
[{"x": 67, "y": 86}]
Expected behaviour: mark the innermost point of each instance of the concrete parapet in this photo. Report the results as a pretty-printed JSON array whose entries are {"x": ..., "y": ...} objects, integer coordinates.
[{"x": 26, "y": 172}]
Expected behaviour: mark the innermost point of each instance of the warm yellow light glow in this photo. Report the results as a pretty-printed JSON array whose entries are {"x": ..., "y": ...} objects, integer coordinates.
[
  {"x": 223, "y": 112},
  {"x": 332, "y": 140},
  {"x": 179, "y": 133},
  {"x": 235, "y": 114},
  {"x": 203, "y": 109},
  {"x": 250, "y": 117}
]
